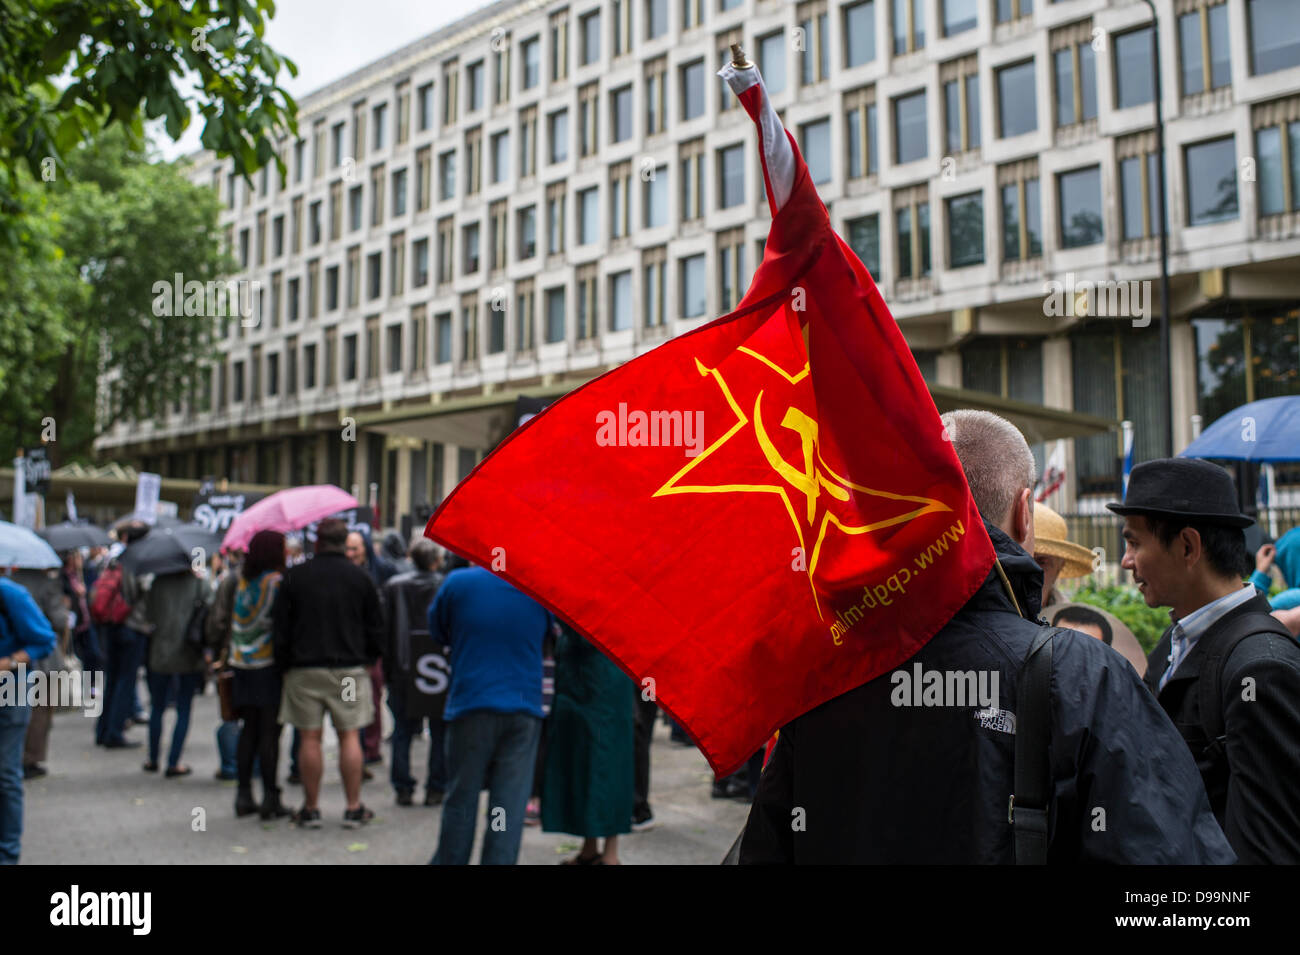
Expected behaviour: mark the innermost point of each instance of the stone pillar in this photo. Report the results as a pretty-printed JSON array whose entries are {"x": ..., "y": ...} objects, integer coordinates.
[{"x": 1182, "y": 381}]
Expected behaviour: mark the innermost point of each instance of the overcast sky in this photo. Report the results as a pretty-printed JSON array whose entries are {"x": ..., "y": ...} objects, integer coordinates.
[{"x": 330, "y": 38}]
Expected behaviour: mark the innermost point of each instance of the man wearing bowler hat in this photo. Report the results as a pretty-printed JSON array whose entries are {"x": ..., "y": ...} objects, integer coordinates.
[{"x": 1226, "y": 672}]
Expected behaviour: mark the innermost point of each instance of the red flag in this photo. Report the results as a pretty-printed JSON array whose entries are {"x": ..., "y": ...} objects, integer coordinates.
[{"x": 747, "y": 524}]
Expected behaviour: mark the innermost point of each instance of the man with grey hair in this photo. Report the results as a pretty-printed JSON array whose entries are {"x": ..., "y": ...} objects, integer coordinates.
[
  {"x": 411, "y": 673},
  {"x": 871, "y": 777}
]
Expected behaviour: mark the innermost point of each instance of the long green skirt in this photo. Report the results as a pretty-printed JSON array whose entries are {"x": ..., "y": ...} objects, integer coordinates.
[{"x": 587, "y": 788}]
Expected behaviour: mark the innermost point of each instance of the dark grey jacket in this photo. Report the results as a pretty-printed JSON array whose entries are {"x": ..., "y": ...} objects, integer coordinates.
[
  {"x": 1254, "y": 777},
  {"x": 871, "y": 782}
]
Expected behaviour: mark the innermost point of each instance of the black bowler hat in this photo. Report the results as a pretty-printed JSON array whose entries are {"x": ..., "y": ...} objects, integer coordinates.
[{"x": 1188, "y": 488}]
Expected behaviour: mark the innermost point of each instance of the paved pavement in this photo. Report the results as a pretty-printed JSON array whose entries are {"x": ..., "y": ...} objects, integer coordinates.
[{"x": 98, "y": 806}]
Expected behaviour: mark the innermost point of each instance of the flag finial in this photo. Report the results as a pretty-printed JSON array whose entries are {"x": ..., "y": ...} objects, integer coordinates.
[{"x": 738, "y": 59}]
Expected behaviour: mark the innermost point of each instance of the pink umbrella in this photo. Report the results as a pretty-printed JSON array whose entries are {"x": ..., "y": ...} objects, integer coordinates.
[{"x": 289, "y": 510}]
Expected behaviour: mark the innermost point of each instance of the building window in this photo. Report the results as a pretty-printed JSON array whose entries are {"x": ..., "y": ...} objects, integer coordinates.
[
  {"x": 1274, "y": 35},
  {"x": 815, "y": 142},
  {"x": 692, "y": 87},
  {"x": 958, "y": 16},
  {"x": 291, "y": 300},
  {"x": 419, "y": 339},
  {"x": 1200, "y": 32},
  {"x": 442, "y": 338},
  {"x": 622, "y": 13},
  {"x": 816, "y": 58},
  {"x": 1116, "y": 376},
  {"x": 1079, "y": 200},
  {"x": 447, "y": 175},
  {"x": 1139, "y": 182},
  {"x": 1245, "y": 356},
  {"x": 909, "y": 128},
  {"x": 374, "y": 275},
  {"x": 1277, "y": 151},
  {"x": 526, "y": 229},
  {"x": 277, "y": 236},
  {"x": 771, "y": 53},
  {"x": 555, "y": 314},
  {"x": 446, "y": 244},
  {"x": 726, "y": 98},
  {"x": 355, "y": 200},
  {"x": 469, "y": 328},
  {"x": 354, "y": 276},
  {"x": 1074, "y": 68},
  {"x": 555, "y": 201},
  {"x": 393, "y": 349},
  {"x": 474, "y": 82},
  {"x": 450, "y": 93},
  {"x": 350, "y": 357},
  {"x": 731, "y": 176},
  {"x": 397, "y": 264},
  {"x": 1008, "y": 10},
  {"x": 377, "y": 118},
  {"x": 423, "y": 174},
  {"x": 377, "y": 195},
  {"x": 500, "y": 156},
  {"x": 654, "y": 286},
  {"x": 965, "y": 230},
  {"x": 656, "y": 18},
  {"x": 358, "y": 131},
  {"x": 331, "y": 357},
  {"x": 1134, "y": 77},
  {"x": 909, "y": 25},
  {"x": 528, "y": 142},
  {"x": 238, "y": 389},
  {"x": 313, "y": 288},
  {"x": 420, "y": 263},
  {"x": 473, "y": 161},
  {"x": 501, "y": 74},
  {"x": 1211, "y": 173},
  {"x": 655, "y": 198},
  {"x": 860, "y": 132},
  {"x": 588, "y": 216},
  {"x": 694, "y": 292},
  {"x": 313, "y": 232},
  {"x": 692, "y": 13},
  {"x": 557, "y": 133},
  {"x": 309, "y": 366},
  {"x": 859, "y": 33},
  {"x": 530, "y": 52},
  {"x": 1017, "y": 100},
  {"x": 620, "y": 301},
  {"x": 525, "y": 317},
  {"x": 424, "y": 107},
  {"x": 469, "y": 245},
  {"x": 620, "y": 114},
  {"x": 585, "y": 289},
  {"x": 656, "y": 95},
  {"x": 692, "y": 164},
  {"x": 589, "y": 31},
  {"x": 620, "y": 200},
  {"x": 864, "y": 240},
  {"x": 332, "y": 288},
  {"x": 912, "y": 232},
  {"x": 497, "y": 235},
  {"x": 731, "y": 267},
  {"x": 1022, "y": 217},
  {"x": 399, "y": 193},
  {"x": 559, "y": 46},
  {"x": 588, "y": 120},
  {"x": 961, "y": 105},
  {"x": 336, "y": 144}
]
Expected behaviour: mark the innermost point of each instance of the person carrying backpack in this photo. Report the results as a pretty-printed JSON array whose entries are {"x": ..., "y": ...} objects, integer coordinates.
[
  {"x": 1226, "y": 671},
  {"x": 116, "y": 608}
]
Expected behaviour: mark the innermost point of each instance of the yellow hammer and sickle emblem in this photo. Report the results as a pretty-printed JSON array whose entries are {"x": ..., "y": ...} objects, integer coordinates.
[{"x": 810, "y": 480}]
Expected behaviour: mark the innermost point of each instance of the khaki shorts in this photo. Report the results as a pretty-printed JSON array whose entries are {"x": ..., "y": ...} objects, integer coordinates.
[{"x": 310, "y": 691}]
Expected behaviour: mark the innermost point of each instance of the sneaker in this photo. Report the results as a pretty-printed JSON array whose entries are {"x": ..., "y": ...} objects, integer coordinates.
[
  {"x": 643, "y": 823},
  {"x": 356, "y": 818},
  {"x": 306, "y": 818},
  {"x": 404, "y": 798},
  {"x": 33, "y": 771},
  {"x": 224, "y": 776},
  {"x": 433, "y": 799}
]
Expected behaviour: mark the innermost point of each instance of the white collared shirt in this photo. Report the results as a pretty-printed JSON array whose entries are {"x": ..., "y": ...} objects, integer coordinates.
[{"x": 1189, "y": 630}]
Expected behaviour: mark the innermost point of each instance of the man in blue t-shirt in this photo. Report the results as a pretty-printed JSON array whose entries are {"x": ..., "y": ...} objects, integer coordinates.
[
  {"x": 25, "y": 635},
  {"x": 493, "y": 712}
]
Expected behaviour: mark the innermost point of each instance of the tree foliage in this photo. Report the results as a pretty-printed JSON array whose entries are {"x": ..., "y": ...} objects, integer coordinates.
[{"x": 68, "y": 68}]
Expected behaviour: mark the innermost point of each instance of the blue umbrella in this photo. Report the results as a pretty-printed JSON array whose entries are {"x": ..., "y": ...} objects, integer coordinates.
[
  {"x": 20, "y": 547},
  {"x": 1267, "y": 430}
]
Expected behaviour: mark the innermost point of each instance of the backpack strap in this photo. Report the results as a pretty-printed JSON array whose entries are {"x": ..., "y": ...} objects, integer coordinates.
[
  {"x": 1210, "y": 682},
  {"x": 1027, "y": 810}
]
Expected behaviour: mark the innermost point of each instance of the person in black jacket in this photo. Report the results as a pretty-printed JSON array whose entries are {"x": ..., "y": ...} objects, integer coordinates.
[
  {"x": 327, "y": 629},
  {"x": 866, "y": 778},
  {"x": 1226, "y": 672},
  {"x": 406, "y": 600}
]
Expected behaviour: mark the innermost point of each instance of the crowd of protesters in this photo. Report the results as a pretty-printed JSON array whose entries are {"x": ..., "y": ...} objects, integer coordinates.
[{"x": 1190, "y": 767}]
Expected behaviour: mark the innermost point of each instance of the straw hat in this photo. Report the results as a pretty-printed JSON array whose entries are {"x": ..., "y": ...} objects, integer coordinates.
[{"x": 1050, "y": 535}]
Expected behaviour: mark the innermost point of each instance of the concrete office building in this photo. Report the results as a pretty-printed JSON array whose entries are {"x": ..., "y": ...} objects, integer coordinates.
[{"x": 545, "y": 189}]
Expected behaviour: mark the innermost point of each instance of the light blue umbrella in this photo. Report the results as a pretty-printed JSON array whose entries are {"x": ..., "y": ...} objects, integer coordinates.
[
  {"x": 1265, "y": 430},
  {"x": 20, "y": 547}
]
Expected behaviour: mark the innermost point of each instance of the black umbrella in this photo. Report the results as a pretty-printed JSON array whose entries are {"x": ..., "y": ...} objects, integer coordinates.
[
  {"x": 69, "y": 536},
  {"x": 162, "y": 520},
  {"x": 170, "y": 550}
]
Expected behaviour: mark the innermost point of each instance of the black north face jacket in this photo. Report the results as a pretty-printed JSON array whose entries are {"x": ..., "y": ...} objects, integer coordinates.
[{"x": 861, "y": 780}]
